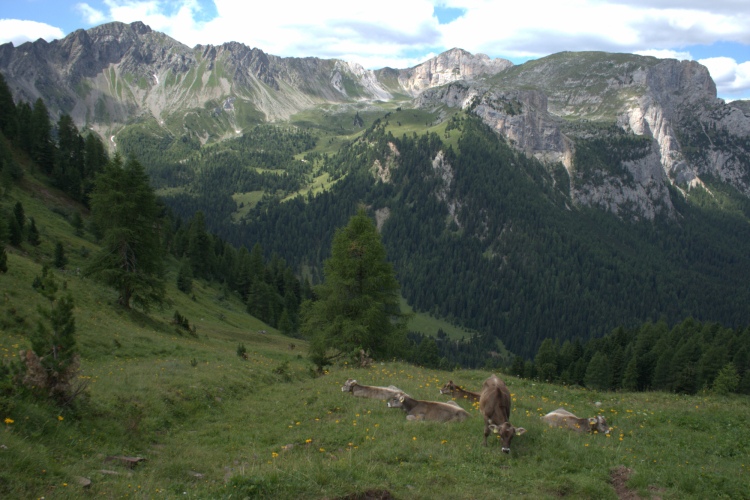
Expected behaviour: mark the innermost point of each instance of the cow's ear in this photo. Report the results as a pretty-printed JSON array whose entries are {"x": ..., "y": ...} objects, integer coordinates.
[
  {"x": 520, "y": 430},
  {"x": 352, "y": 381}
]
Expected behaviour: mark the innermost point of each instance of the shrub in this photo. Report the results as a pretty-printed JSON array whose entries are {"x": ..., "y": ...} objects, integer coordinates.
[{"x": 727, "y": 380}]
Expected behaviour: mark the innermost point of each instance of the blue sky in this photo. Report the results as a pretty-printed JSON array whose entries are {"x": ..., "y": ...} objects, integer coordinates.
[{"x": 400, "y": 34}]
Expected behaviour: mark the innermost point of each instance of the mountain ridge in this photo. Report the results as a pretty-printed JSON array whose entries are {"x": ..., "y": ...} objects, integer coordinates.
[{"x": 116, "y": 74}]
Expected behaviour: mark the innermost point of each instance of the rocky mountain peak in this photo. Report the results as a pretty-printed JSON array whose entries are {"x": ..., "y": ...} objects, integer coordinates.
[{"x": 450, "y": 66}]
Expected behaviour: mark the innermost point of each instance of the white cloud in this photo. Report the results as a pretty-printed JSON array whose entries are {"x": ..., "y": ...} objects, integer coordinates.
[
  {"x": 18, "y": 32},
  {"x": 90, "y": 14},
  {"x": 373, "y": 35},
  {"x": 666, "y": 54},
  {"x": 732, "y": 78}
]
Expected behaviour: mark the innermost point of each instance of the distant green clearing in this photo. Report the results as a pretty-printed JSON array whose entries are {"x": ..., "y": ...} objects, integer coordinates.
[
  {"x": 428, "y": 325},
  {"x": 245, "y": 202}
]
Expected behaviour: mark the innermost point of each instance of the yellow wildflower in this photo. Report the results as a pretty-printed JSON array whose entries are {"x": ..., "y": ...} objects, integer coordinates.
[{"x": 9, "y": 421}]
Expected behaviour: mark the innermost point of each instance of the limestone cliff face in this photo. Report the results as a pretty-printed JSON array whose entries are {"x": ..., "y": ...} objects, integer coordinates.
[
  {"x": 640, "y": 194},
  {"x": 448, "y": 67},
  {"x": 545, "y": 107}
]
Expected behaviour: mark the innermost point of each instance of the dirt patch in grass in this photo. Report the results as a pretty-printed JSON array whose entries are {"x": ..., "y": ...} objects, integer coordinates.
[
  {"x": 619, "y": 477},
  {"x": 368, "y": 495}
]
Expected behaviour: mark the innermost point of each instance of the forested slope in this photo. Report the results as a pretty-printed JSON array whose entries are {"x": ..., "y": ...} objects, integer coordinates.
[{"x": 516, "y": 259}]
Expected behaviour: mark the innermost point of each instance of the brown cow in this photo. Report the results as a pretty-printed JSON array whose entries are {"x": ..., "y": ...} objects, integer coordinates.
[
  {"x": 563, "y": 418},
  {"x": 494, "y": 403},
  {"x": 459, "y": 393},
  {"x": 429, "y": 410},
  {"x": 370, "y": 391}
]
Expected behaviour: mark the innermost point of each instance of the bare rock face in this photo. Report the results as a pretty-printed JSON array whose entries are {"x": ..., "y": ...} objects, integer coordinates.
[
  {"x": 641, "y": 194},
  {"x": 543, "y": 108},
  {"x": 106, "y": 76},
  {"x": 448, "y": 67}
]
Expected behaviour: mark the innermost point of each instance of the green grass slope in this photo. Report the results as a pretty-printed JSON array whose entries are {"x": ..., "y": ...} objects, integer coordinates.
[{"x": 211, "y": 424}]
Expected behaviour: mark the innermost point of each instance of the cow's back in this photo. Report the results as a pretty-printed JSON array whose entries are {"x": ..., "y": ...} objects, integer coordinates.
[
  {"x": 439, "y": 411},
  {"x": 374, "y": 392},
  {"x": 494, "y": 400}
]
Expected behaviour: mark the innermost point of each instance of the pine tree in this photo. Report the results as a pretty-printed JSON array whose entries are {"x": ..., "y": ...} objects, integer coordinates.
[
  {"x": 630, "y": 377},
  {"x": 52, "y": 364},
  {"x": 19, "y": 214},
  {"x": 125, "y": 208},
  {"x": 77, "y": 222},
  {"x": 8, "y": 115},
  {"x": 3, "y": 259},
  {"x": 68, "y": 170},
  {"x": 517, "y": 366},
  {"x": 33, "y": 236},
  {"x": 199, "y": 247},
  {"x": 25, "y": 134},
  {"x": 185, "y": 277},
  {"x": 358, "y": 306},
  {"x": 42, "y": 147},
  {"x": 727, "y": 380},
  {"x": 94, "y": 160},
  {"x": 285, "y": 323},
  {"x": 546, "y": 361},
  {"x": 599, "y": 373},
  {"x": 15, "y": 236},
  {"x": 60, "y": 260}
]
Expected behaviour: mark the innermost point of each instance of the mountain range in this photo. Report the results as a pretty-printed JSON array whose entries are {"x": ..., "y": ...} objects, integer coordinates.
[
  {"x": 634, "y": 137},
  {"x": 112, "y": 75}
]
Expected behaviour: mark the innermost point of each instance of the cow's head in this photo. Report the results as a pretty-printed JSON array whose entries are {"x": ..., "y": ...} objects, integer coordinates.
[
  {"x": 506, "y": 432},
  {"x": 448, "y": 388},
  {"x": 397, "y": 401},
  {"x": 347, "y": 387},
  {"x": 599, "y": 424}
]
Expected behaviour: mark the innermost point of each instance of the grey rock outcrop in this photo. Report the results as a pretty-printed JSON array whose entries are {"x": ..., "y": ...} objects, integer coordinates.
[
  {"x": 450, "y": 66},
  {"x": 543, "y": 108}
]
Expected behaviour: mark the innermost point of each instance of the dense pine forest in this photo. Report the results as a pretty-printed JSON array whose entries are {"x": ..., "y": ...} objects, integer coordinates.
[
  {"x": 506, "y": 254},
  {"x": 687, "y": 358},
  {"x": 479, "y": 234}
]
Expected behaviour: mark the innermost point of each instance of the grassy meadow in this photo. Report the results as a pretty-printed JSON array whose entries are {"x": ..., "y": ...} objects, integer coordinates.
[{"x": 211, "y": 424}]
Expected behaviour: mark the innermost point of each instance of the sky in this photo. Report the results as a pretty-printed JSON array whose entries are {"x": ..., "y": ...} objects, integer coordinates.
[{"x": 404, "y": 33}]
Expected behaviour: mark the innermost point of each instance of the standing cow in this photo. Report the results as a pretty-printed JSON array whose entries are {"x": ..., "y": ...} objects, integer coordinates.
[{"x": 494, "y": 403}]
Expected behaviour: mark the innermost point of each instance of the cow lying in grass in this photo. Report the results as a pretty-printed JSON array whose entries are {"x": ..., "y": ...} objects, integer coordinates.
[
  {"x": 458, "y": 392},
  {"x": 428, "y": 410},
  {"x": 370, "y": 391},
  {"x": 563, "y": 418},
  {"x": 494, "y": 403}
]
